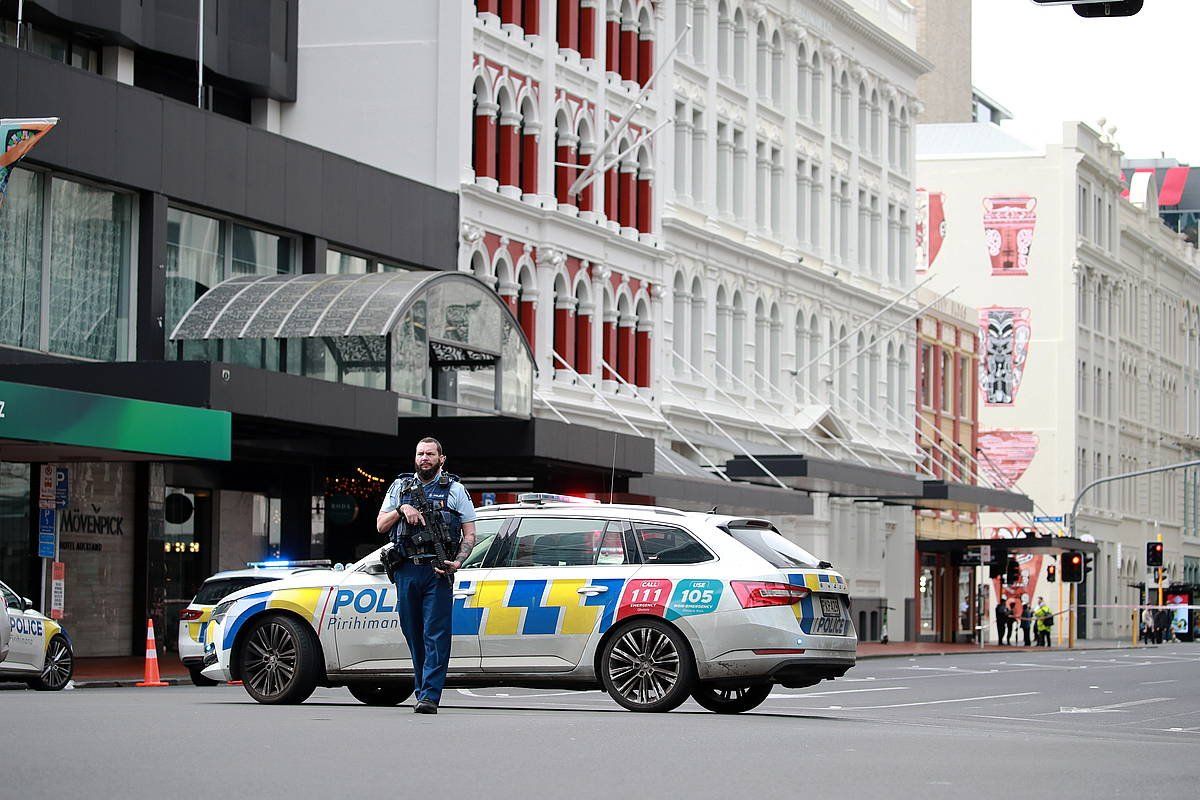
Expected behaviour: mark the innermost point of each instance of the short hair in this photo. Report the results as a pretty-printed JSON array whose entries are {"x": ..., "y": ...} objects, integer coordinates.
[{"x": 434, "y": 442}]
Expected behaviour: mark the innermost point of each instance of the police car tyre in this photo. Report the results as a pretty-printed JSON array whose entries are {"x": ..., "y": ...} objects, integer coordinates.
[
  {"x": 200, "y": 680},
  {"x": 278, "y": 660},
  {"x": 647, "y": 666},
  {"x": 59, "y": 666},
  {"x": 381, "y": 694},
  {"x": 731, "y": 699}
]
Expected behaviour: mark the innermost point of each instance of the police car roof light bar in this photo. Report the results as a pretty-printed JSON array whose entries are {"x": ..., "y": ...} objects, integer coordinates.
[
  {"x": 539, "y": 498},
  {"x": 312, "y": 562}
]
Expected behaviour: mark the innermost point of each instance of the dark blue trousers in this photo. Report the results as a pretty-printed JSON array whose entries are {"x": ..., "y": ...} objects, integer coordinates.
[{"x": 425, "y": 607}]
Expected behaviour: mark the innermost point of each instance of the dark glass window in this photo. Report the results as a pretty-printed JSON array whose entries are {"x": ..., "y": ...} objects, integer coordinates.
[{"x": 667, "y": 544}]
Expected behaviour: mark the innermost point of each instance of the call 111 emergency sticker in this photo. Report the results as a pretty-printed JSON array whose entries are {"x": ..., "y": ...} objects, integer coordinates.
[
  {"x": 694, "y": 597},
  {"x": 644, "y": 596}
]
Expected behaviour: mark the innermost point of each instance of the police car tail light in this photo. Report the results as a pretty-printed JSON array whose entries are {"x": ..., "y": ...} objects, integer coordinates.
[
  {"x": 757, "y": 594},
  {"x": 190, "y": 615}
]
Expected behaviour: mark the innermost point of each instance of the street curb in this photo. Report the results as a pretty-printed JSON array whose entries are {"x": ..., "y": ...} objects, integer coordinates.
[
  {"x": 120, "y": 683},
  {"x": 1001, "y": 652}
]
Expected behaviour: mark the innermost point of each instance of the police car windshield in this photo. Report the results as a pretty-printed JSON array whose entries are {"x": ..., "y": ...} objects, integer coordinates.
[
  {"x": 768, "y": 543},
  {"x": 213, "y": 591}
]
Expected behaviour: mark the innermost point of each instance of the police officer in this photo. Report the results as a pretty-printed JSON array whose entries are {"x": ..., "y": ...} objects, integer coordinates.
[{"x": 424, "y": 601}]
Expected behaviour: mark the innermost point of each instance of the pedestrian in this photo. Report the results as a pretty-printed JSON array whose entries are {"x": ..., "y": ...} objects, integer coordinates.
[
  {"x": 1147, "y": 625},
  {"x": 424, "y": 600},
  {"x": 1012, "y": 621},
  {"x": 1162, "y": 624},
  {"x": 1026, "y": 621},
  {"x": 1002, "y": 622},
  {"x": 1044, "y": 618}
]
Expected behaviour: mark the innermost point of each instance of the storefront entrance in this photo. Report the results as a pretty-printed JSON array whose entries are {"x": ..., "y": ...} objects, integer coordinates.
[{"x": 947, "y": 599}]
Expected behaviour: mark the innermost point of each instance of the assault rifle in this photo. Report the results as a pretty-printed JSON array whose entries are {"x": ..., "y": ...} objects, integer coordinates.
[{"x": 434, "y": 534}]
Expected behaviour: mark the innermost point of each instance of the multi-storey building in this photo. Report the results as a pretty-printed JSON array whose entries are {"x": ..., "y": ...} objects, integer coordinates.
[{"x": 1088, "y": 344}]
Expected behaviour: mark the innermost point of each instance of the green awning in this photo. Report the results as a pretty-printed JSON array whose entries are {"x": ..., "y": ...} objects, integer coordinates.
[{"x": 82, "y": 419}]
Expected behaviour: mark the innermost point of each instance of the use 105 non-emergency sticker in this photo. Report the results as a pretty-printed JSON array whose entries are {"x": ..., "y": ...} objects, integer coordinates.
[{"x": 694, "y": 597}]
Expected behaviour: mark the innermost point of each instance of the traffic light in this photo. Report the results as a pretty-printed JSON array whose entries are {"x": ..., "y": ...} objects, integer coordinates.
[
  {"x": 1012, "y": 572},
  {"x": 1051, "y": 574},
  {"x": 1072, "y": 566},
  {"x": 1154, "y": 554}
]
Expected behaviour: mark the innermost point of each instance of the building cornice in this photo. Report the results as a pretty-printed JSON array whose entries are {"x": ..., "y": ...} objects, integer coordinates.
[{"x": 844, "y": 13}]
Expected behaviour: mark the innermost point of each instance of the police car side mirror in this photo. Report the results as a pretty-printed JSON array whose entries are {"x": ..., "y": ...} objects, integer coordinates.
[
  {"x": 27, "y": 603},
  {"x": 375, "y": 568}
]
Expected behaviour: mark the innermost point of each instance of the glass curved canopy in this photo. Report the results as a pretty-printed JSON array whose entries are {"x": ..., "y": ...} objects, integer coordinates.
[{"x": 443, "y": 341}]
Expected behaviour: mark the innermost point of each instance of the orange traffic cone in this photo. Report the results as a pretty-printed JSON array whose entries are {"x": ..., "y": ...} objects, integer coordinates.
[{"x": 151, "y": 659}]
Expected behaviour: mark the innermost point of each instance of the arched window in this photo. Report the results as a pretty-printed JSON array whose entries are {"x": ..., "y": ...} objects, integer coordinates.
[
  {"x": 901, "y": 406},
  {"x": 875, "y": 123},
  {"x": 864, "y": 117},
  {"x": 612, "y": 38},
  {"x": 860, "y": 373},
  {"x": 586, "y": 149},
  {"x": 483, "y": 132},
  {"x": 893, "y": 382},
  {"x": 564, "y": 324},
  {"x": 699, "y": 310},
  {"x": 681, "y": 307},
  {"x": 724, "y": 318},
  {"x": 905, "y": 133},
  {"x": 739, "y": 48},
  {"x": 893, "y": 135},
  {"x": 802, "y": 355},
  {"x": 644, "y": 218},
  {"x": 629, "y": 42},
  {"x": 699, "y": 35},
  {"x": 509, "y": 145},
  {"x": 777, "y": 68},
  {"x": 584, "y": 314},
  {"x": 802, "y": 82},
  {"x": 872, "y": 395},
  {"x": 565, "y": 152},
  {"x": 773, "y": 362},
  {"x": 626, "y": 340},
  {"x": 645, "y": 58},
  {"x": 643, "y": 347},
  {"x": 737, "y": 341},
  {"x": 762, "y": 61},
  {"x": 724, "y": 39},
  {"x": 530, "y": 133},
  {"x": 844, "y": 98},
  {"x": 527, "y": 297},
  {"x": 814, "y": 348},
  {"x": 762, "y": 331},
  {"x": 843, "y": 367},
  {"x": 814, "y": 94}
]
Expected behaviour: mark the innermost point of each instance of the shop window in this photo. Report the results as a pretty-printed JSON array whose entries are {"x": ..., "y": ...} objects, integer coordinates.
[
  {"x": 15, "y": 547},
  {"x": 86, "y": 267}
]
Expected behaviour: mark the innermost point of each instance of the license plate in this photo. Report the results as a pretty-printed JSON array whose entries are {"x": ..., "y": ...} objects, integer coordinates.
[
  {"x": 829, "y": 626},
  {"x": 831, "y": 607}
]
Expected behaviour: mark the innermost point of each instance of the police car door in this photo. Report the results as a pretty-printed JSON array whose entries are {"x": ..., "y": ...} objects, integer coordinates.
[
  {"x": 555, "y": 582},
  {"x": 27, "y": 635}
]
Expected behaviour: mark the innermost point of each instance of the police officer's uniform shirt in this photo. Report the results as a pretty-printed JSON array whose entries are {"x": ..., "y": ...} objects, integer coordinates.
[{"x": 457, "y": 500}]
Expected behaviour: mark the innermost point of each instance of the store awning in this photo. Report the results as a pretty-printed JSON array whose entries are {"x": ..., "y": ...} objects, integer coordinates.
[
  {"x": 839, "y": 478},
  {"x": 691, "y": 493},
  {"x": 47, "y": 423},
  {"x": 1041, "y": 544},
  {"x": 949, "y": 496}
]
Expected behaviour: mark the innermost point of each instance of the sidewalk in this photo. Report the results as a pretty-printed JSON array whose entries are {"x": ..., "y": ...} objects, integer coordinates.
[
  {"x": 126, "y": 671},
  {"x": 877, "y": 650}
]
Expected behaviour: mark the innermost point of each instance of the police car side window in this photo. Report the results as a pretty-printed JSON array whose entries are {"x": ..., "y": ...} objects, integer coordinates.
[
  {"x": 485, "y": 534},
  {"x": 552, "y": 542},
  {"x": 10, "y": 598},
  {"x": 667, "y": 544}
]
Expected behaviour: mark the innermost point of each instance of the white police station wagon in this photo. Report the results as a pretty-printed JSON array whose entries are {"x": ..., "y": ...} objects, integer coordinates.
[
  {"x": 39, "y": 652},
  {"x": 652, "y": 604}
]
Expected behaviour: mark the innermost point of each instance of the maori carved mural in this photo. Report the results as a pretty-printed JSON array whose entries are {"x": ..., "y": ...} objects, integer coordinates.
[
  {"x": 1003, "y": 348},
  {"x": 1006, "y": 454},
  {"x": 1008, "y": 229},
  {"x": 930, "y": 228}
]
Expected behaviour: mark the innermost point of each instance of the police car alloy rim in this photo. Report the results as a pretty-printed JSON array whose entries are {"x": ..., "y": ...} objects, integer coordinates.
[
  {"x": 644, "y": 665},
  {"x": 57, "y": 670},
  {"x": 273, "y": 659}
]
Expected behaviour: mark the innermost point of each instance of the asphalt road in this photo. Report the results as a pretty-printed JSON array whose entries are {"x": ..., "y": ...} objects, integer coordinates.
[{"x": 1087, "y": 724}]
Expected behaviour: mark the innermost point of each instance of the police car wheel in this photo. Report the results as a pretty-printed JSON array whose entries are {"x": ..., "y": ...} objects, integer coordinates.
[
  {"x": 198, "y": 679},
  {"x": 59, "y": 666},
  {"x": 381, "y": 694},
  {"x": 647, "y": 666},
  {"x": 278, "y": 661},
  {"x": 731, "y": 699}
]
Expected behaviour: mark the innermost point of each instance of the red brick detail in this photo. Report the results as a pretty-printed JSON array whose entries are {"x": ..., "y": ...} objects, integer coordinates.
[
  {"x": 626, "y": 199},
  {"x": 511, "y": 302},
  {"x": 626, "y": 352},
  {"x": 644, "y": 208},
  {"x": 645, "y": 60},
  {"x": 564, "y": 176},
  {"x": 527, "y": 316},
  {"x": 587, "y": 32},
  {"x": 484, "y": 161},
  {"x": 568, "y": 24},
  {"x": 586, "y": 196},
  {"x": 629, "y": 55},
  {"x": 612, "y": 45},
  {"x": 532, "y": 17},
  {"x": 511, "y": 11},
  {"x": 510, "y": 155},
  {"x": 609, "y": 349},
  {"x": 488, "y": 7},
  {"x": 564, "y": 336},
  {"x": 529, "y": 163},
  {"x": 642, "y": 359},
  {"x": 610, "y": 193},
  {"x": 583, "y": 343}
]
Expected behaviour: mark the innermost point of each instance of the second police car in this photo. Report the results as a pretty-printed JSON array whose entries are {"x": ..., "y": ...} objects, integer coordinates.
[
  {"x": 39, "y": 652},
  {"x": 651, "y": 604}
]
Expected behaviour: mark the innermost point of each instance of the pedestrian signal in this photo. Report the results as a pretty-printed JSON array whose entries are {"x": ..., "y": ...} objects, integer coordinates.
[
  {"x": 1072, "y": 566},
  {"x": 1154, "y": 554},
  {"x": 1051, "y": 574}
]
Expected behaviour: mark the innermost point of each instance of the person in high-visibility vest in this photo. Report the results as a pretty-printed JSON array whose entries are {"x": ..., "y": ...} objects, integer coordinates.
[{"x": 1044, "y": 618}]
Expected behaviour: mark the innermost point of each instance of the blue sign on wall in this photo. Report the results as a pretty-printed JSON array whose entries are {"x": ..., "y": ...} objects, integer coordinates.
[
  {"x": 61, "y": 487},
  {"x": 47, "y": 539},
  {"x": 487, "y": 498}
]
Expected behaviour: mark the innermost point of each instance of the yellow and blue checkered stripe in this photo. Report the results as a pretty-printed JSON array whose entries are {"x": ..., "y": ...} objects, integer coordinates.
[
  {"x": 816, "y": 582},
  {"x": 535, "y": 607}
]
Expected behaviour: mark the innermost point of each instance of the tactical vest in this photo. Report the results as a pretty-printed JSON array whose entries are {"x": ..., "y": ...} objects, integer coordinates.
[{"x": 438, "y": 494}]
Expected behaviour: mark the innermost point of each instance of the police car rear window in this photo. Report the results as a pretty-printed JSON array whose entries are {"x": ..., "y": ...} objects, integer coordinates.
[
  {"x": 213, "y": 591},
  {"x": 768, "y": 543}
]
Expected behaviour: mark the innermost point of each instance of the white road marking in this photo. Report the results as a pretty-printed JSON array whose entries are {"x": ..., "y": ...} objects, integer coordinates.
[
  {"x": 993, "y": 716},
  {"x": 1114, "y": 707},
  {"x": 1151, "y": 683},
  {"x": 932, "y": 702},
  {"x": 839, "y": 691}
]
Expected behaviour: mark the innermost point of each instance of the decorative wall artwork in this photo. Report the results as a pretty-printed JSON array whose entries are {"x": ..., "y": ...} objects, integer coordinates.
[
  {"x": 1003, "y": 348},
  {"x": 1008, "y": 229},
  {"x": 930, "y": 227},
  {"x": 1006, "y": 454}
]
